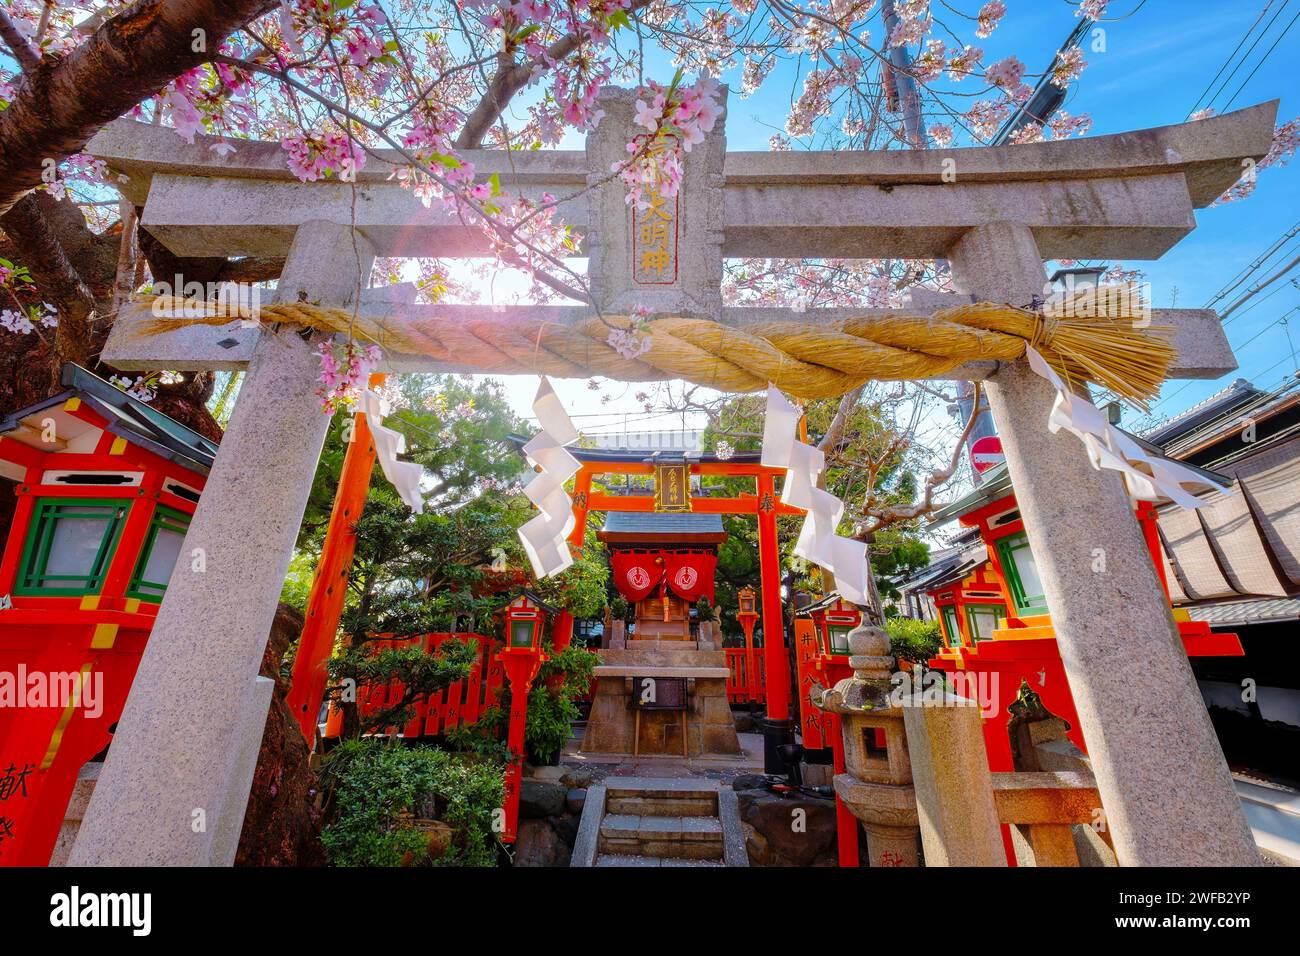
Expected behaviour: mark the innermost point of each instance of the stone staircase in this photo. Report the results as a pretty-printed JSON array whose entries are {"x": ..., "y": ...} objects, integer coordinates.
[{"x": 647, "y": 821}]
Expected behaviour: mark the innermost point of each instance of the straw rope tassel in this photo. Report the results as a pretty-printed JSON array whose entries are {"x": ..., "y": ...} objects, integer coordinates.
[{"x": 807, "y": 360}]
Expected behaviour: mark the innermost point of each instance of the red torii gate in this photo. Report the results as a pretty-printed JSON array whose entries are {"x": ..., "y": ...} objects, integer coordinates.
[{"x": 764, "y": 503}]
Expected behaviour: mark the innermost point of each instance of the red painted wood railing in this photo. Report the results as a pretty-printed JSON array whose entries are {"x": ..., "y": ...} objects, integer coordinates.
[
  {"x": 461, "y": 703},
  {"x": 738, "y": 679}
]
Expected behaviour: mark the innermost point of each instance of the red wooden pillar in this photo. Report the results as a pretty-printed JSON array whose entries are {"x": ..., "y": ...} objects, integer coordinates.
[
  {"x": 1147, "y": 519},
  {"x": 562, "y": 636},
  {"x": 846, "y": 824},
  {"x": 329, "y": 587},
  {"x": 521, "y": 665},
  {"x": 774, "y": 657},
  {"x": 581, "y": 494}
]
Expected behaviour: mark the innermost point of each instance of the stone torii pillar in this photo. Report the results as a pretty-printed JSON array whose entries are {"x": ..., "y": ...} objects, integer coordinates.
[
  {"x": 161, "y": 800},
  {"x": 1168, "y": 796}
]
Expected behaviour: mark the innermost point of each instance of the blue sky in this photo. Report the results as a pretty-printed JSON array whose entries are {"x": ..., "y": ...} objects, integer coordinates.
[{"x": 1159, "y": 56}]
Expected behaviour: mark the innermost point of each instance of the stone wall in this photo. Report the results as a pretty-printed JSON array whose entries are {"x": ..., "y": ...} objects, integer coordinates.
[
  {"x": 710, "y": 727},
  {"x": 550, "y": 806}
]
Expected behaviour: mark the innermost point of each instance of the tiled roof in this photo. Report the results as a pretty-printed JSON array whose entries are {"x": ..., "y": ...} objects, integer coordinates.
[
  {"x": 643, "y": 522},
  {"x": 1236, "y": 613},
  {"x": 1237, "y": 393},
  {"x": 127, "y": 417}
]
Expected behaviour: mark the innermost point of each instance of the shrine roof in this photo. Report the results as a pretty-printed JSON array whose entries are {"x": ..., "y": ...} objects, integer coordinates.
[
  {"x": 127, "y": 417},
  {"x": 947, "y": 567},
  {"x": 640, "y": 455},
  {"x": 823, "y": 604},
  {"x": 640, "y": 527},
  {"x": 997, "y": 484},
  {"x": 1241, "y": 613},
  {"x": 1240, "y": 392}
]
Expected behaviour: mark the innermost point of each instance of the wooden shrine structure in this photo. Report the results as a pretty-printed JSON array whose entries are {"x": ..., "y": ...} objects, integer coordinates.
[
  {"x": 995, "y": 618},
  {"x": 676, "y": 520},
  {"x": 662, "y": 564},
  {"x": 106, "y": 487},
  {"x": 1005, "y": 211}
]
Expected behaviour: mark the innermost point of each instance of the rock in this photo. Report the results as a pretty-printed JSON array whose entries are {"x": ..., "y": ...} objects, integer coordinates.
[
  {"x": 794, "y": 839},
  {"x": 579, "y": 778},
  {"x": 575, "y": 800},
  {"x": 749, "y": 781},
  {"x": 760, "y": 854},
  {"x": 744, "y": 722},
  {"x": 281, "y": 823},
  {"x": 554, "y": 774},
  {"x": 816, "y": 774},
  {"x": 540, "y": 798},
  {"x": 537, "y": 844}
]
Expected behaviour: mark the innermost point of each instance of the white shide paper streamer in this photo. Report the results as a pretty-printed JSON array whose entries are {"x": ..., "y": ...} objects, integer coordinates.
[
  {"x": 404, "y": 476},
  {"x": 818, "y": 541},
  {"x": 545, "y": 537},
  {"x": 1149, "y": 478}
]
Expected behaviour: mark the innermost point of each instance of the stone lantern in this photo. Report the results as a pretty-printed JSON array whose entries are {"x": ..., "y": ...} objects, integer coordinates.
[{"x": 877, "y": 783}]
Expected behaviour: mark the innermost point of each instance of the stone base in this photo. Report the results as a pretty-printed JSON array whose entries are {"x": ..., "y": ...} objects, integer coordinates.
[{"x": 710, "y": 728}]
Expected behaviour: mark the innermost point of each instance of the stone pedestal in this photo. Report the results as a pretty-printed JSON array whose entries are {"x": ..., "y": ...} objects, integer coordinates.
[
  {"x": 954, "y": 790},
  {"x": 1168, "y": 796},
  {"x": 710, "y": 728},
  {"x": 876, "y": 786}
]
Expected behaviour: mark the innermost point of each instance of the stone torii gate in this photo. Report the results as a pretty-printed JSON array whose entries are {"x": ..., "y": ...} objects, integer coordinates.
[{"x": 994, "y": 213}]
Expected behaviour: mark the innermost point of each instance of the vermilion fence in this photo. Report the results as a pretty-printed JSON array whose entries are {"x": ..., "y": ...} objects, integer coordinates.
[
  {"x": 463, "y": 702},
  {"x": 738, "y": 676}
]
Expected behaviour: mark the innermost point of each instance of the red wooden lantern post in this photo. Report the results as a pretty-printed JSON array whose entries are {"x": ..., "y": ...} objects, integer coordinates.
[
  {"x": 822, "y": 648},
  {"x": 748, "y": 617},
  {"x": 521, "y": 658}
]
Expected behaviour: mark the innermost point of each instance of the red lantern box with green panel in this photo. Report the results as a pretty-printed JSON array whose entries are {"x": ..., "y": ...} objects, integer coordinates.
[
  {"x": 1021, "y": 645},
  {"x": 105, "y": 487},
  {"x": 967, "y": 594},
  {"x": 821, "y": 640}
]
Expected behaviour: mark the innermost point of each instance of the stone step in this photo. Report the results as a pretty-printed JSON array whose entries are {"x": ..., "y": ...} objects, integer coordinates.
[
  {"x": 689, "y": 837},
  {"x": 618, "y": 859},
  {"x": 659, "y": 821},
  {"x": 661, "y": 796}
]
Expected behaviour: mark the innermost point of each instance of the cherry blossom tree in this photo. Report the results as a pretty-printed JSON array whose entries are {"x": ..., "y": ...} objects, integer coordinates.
[{"x": 335, "y": 80}]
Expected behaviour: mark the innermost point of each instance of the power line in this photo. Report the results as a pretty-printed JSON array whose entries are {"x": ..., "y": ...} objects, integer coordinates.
[
  {"x": 1258, "y": 287},
  {"x": 1267, "y": 54},
  {"x": 1231, "y": 57},
  {"x": 1254, "y": 266}
]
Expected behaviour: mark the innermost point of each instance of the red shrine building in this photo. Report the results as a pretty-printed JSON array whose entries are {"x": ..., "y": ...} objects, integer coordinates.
[
  {"x": 105, "y": 488},
  {"x": 662, "y": 564},
  {"x": 987, "y": 595}
]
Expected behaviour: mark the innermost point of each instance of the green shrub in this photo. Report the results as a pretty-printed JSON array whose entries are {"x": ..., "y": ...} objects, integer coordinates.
[
  {"x": 375, "y": 783},
  {"x": 913, "y": 641},
  {"x": 551, "y": 709}
]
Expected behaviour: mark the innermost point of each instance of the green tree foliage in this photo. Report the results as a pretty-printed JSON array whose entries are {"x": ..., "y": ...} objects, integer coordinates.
[
  {"x": 378, "y": 787},
  {"x": 868, "y": 466},
  {"x": 912, "y": 641},
  {"x": 552, "y": 708},
  {"x": 583, "y": 589}
]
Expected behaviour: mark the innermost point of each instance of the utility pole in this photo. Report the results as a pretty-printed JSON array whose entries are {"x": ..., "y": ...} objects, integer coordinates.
[
  {"x": 900, "y": 75},
  {"x": 1047, "y": 96}
]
